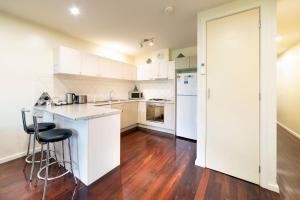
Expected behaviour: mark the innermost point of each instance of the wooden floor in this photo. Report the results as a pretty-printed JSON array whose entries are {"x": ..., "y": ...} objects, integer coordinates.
[
  {"x": 288, "y": 164},
  {"x": 152, "y": 167}
]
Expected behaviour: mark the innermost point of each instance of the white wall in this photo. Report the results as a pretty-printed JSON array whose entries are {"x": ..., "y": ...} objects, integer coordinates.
[
  {"x": 288, "y": 90},
  {"x": 26, "y": 60},
  {"x": 268, "y": 156}
]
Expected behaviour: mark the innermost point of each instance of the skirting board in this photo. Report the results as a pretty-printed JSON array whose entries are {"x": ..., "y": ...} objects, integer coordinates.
[
  {"x": 16, "y": 156},
  {"x": 157, "y": 129},
  {"x": 198, "y": 163},
  {"x": 289, "y": 130}
]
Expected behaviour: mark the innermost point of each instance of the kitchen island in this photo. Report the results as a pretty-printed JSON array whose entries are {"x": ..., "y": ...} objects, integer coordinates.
[{"x": 95, "y": 143}]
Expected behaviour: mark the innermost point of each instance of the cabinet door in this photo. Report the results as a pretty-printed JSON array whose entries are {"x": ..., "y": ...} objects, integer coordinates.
[
  {"x": 145, "y": 72},
  {"x": 193, "y": 62},
  {"x": 162, "y": 69},
  {"x": 89, "y": 65},
  {"x": 171, "y": 70},
  {"x": 67, "y": 60},
  {"x": 130, "y": 114},
  {"x": 126, "y": 71},
  {"x": 182, "y": 63},
  {"x": 142, "y": 112},
  {"x": 169, "y": 116},
  {"x": 105, "y": 68}
]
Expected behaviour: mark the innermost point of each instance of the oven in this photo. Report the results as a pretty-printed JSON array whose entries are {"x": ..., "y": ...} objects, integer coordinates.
[{"x": 155, "y": 112}]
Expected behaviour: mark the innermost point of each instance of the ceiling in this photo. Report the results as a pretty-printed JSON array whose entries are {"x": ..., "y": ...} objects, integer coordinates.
[
  {"x": 288, "y": 17},
  {"x": 118, "y": 24}
]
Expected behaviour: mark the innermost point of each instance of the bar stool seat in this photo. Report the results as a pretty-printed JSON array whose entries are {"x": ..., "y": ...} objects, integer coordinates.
[
  {"x": 54, "y": 135},
  {"x": 45, "y": 126}
]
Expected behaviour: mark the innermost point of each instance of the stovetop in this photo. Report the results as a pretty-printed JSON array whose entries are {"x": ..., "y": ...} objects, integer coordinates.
[{"x": 158, "y": 99}]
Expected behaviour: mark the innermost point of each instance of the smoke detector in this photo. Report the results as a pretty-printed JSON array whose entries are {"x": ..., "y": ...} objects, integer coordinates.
[{"x": 169, "y": 9}]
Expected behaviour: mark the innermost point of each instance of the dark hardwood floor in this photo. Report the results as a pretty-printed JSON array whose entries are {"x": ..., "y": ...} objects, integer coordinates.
[
  {"x": 288, "y": 165},
  {"x": 152, "y": 167}
]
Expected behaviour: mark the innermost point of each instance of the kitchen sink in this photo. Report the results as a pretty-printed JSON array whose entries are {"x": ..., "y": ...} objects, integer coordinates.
[{"x": 106, "y": 102}]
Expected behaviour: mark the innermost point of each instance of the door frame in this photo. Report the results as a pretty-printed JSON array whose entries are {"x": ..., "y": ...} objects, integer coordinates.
[{"x": 268, "y": 57}]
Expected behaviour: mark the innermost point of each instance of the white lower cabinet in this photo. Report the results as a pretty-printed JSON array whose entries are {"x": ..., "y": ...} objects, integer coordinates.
[
  {"x": 129, "y": 114},
  {"x": 142, "y": 112},
  {"x": 169, "y": 116},
  {"x": 133, "y": 113}
]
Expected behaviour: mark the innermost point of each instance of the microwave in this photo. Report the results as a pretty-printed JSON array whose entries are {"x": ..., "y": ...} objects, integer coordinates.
[{"x": 135, "y": 95}]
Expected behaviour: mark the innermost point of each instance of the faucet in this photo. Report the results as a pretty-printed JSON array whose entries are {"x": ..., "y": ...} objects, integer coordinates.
[{"x": 110, "y": 94}]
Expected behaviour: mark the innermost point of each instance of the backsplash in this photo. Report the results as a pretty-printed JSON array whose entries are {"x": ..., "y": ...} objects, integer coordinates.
[
  {"x": 158, "y": 89},
  {"x": 98, "y": 89}
]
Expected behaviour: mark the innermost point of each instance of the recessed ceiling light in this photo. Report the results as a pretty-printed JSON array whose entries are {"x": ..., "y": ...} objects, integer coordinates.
[
  {"x": 74, "y": 10},
  {"x": 278, "y": 38}
]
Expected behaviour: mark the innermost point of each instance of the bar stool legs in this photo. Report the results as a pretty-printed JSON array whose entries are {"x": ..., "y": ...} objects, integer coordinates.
[
  {"x": 28, "y": 147},
  {"x": 46, "y": 176},
  {"x": 71, "y": 161},
  {"x": 46, "y": 167},
  {"x": 63, "y": 152},
  {"x": 33, "y": 161}
]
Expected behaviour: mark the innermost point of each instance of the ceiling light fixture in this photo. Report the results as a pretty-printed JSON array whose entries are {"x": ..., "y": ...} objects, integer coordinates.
[
  {"x": 74, "y": 10},
  {"x": 278, "y": 38},
  {"x": 150, "y": 40}
]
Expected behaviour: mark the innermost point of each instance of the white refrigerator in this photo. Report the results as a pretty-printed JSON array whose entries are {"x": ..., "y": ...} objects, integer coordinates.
[{"x": 186, "y": 105}]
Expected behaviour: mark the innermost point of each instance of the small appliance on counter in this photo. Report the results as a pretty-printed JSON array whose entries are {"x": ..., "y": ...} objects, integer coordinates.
[
  {"x": 71, "y": 98},
  {"x": 80, "y": 99},
  {"x": 135, "y": 94}
]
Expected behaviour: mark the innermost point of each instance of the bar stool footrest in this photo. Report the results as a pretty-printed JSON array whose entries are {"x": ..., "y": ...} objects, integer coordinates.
[
  {"x": 37, "y": 161},
  {"x": 55, "y": 177}
]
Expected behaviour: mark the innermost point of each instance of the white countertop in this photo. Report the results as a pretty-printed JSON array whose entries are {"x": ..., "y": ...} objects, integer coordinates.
[
  {"x": 79, "y": 111},
  {"x": 103, "y": 103}
]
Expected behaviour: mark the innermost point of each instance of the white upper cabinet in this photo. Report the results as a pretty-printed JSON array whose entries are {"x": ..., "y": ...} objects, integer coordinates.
[
  {"x": 182, "y": 63},
  {"x": 186, "y": 62},
  {"x": 193, "y": 62},
  {"x": 162, "y": 70},
  {"x": 171, "y": 70},
  {"x": 67, "y": 61},
  {"x": 89, "y": 66},
  {"x": 75, "y": 62},
  {"x": 145, "y": 72},
  {"x": 156, "y": 71}
]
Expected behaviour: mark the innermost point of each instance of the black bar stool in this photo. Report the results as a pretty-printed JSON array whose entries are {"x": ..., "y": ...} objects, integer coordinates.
[
  {"x": 30, "y": 130},
  {"x": 52, "y": 136}
]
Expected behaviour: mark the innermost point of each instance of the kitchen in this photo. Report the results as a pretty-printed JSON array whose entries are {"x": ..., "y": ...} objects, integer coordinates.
[{"x": 118, "y": 102}]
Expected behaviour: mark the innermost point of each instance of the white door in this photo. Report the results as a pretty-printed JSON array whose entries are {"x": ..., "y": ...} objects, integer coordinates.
[{"x": 233, "y": 95}]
